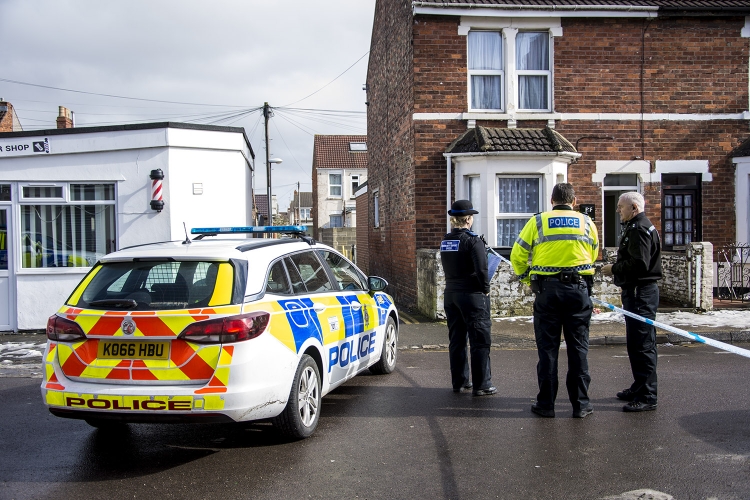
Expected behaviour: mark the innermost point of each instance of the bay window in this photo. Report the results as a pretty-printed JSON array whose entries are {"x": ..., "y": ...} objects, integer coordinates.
[
  {"x": 518, "y": 199},
  {"x": 66, "y": 225}
]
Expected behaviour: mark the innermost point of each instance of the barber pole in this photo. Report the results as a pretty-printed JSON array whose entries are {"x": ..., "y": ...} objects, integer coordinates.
[{"x": 157, "y": 201}]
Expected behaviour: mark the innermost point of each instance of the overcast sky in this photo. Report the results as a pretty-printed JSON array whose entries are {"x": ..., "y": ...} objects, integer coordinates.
[{"x": 231, "y": 55}]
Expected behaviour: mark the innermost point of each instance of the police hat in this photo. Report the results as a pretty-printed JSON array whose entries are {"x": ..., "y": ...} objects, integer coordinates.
[{"x": 462, "y": 207}]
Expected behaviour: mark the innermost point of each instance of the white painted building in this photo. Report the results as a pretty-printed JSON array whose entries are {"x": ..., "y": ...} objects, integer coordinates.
[{"x": 69, "y": 196}]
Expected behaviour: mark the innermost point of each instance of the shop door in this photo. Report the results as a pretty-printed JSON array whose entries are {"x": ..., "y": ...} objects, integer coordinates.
[{"x": 6, "y": 303}]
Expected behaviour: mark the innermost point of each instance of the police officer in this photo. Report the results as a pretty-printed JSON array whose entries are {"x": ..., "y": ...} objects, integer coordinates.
[
  {"x": 563, "y": 245},
  {"x": 467, "y": 302},
  {"x": 636, "y": 271}
]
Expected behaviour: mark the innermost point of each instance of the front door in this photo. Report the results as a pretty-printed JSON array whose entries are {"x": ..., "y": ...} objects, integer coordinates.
[
  {"x": 680, "y": 204},
  {"x": 6, "y": 300}
]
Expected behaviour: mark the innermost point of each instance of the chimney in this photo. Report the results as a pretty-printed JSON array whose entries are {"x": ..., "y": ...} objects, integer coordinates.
[
  {"x": 8, "y": 119},
  {"x": 65, "y": 118}
]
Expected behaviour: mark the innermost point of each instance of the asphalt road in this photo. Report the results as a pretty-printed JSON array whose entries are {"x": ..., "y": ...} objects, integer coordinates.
[{"x": 407, "y": 435}]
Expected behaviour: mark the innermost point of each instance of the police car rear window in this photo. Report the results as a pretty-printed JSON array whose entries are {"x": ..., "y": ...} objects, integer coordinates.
[{"x": 159, "y": 285}]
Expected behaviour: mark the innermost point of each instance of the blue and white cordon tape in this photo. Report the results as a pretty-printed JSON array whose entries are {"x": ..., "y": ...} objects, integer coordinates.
[{"x": 683, "y": 333}]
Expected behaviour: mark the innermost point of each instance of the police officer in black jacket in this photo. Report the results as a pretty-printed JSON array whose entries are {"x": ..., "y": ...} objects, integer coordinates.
[
  {"x": 467, "y": 302},
  {"x": 636, "y": 271}
]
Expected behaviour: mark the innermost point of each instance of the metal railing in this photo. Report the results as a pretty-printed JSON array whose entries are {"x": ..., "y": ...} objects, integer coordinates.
[{"x": 733, "y": 273}]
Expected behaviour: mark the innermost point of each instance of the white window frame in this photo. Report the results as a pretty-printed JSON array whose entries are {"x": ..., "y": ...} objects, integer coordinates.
[
  {"x": 548, "y": 73},
  {"x": 47, "y": 200},
  {"x": 331, "y": 185},
  {"x": 475, "y": 198},
  {"x": 477, "y": 72},
  {"x": 515, "y": 215},
  {"x": 624, "y": 189},
  {"x": 65, "y": 201},
  {"x": 354, "y": 177},
  {"x": 338, "y": 217}
]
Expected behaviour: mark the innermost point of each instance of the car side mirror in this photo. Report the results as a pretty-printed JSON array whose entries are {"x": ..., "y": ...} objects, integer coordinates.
[{"x": 376, "y": 283}]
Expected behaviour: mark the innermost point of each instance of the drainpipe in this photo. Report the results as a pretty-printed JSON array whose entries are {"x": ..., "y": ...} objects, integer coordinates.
[{"x": 448, "y": 191}]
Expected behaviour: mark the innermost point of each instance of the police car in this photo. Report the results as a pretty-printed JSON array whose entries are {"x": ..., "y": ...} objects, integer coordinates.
[{"x": 216, "y": 329}]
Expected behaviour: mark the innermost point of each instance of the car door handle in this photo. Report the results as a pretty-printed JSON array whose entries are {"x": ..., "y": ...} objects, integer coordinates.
[
  {"x": 356, "y": 306},
  {"x": 318, "y": 307}
]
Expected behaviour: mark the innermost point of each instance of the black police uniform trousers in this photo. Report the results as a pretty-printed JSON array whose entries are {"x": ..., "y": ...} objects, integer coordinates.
[
  {"x": 641, "y": 339},
  {"x": 567, "y": 307},
  {"x": 468, "y": 315}
]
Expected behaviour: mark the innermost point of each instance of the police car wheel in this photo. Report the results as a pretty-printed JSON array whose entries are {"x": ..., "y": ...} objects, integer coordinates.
[
  {"x": 387, "y": 362},
  {"x": 300, "y": 417}
]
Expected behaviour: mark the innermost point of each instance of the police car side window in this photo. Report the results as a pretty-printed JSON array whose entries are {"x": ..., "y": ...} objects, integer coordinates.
[
  {"x": 277, "y": 281},
  {"x": 346, "y": 275},
  {"x": 298, "y": 286},
  {"x": 312, "y": 272}
]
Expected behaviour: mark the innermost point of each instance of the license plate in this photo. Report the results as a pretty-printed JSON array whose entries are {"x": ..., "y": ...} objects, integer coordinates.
[{"x": 132, "y": 350}]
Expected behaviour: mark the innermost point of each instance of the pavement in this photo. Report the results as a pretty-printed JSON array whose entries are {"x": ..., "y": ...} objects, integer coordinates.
[{"x": 21, "y": 354}]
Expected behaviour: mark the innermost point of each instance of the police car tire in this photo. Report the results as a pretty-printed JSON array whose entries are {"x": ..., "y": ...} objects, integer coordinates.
[
  {"x": 388, "y": 354},
  {"x": 304, "y": 402}
]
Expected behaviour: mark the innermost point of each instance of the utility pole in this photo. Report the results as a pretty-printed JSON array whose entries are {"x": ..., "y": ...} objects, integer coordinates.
[
  {"x": 266, "y": 115},
  {"x": 299, "y": 205}
]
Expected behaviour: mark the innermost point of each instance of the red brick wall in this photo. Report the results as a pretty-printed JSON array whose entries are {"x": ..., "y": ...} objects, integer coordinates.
[
  {"x": 363, "y": 228},
  {"x": 392, "y": 246},
  {"x": 690, "y": 65}
]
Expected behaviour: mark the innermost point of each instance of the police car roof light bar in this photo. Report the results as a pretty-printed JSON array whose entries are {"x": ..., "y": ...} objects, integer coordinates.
[{"x": 213, "y": 231}]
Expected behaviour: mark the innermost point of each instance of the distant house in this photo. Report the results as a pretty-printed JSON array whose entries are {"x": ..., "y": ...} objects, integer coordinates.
[
  {"x": 260, "y": 215},
  {"x": 300, "y": 209},
  {"x": 339, "y": 167},
  {"x": 8, "y": 119},
  {"x": 498, "y": 100}
]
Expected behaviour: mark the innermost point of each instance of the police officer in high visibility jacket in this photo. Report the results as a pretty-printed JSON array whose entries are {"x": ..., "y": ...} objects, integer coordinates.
[
  {"x": 467, "y": 302},
  {"x": 563, "y": 245},
  {"x": 636, "y": 271}
]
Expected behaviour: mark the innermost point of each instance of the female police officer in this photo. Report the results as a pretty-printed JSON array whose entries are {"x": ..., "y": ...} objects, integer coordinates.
[{"x": 467, "y": 302}]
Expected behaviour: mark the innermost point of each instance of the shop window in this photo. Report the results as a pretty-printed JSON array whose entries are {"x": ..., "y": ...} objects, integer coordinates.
[
  {"x": 518, "y": 198},
  {"x": 76, "y": 232}
]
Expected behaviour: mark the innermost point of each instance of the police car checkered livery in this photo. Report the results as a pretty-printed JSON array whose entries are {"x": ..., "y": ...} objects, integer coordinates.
[{"x": 217, "y": 330}]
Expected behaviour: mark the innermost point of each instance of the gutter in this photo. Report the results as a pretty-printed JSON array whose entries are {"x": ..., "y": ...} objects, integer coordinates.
[{"x": 429, "y": 7}]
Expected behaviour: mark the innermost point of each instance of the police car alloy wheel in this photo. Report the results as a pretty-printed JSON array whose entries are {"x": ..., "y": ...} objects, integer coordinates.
[
  {"x": 224, "y": 329},
  {"x": 387, "y": 362},
  {"x": 300, "y": 417}
]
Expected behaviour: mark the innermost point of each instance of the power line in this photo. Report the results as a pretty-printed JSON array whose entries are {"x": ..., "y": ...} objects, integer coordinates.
[
  {"x": 327, "y": 84},
  {"x": 115, "y": 96}
]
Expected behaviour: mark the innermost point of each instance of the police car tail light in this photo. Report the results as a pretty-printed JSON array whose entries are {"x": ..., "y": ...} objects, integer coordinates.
[
  {"x": 64, "y": 330},
  {"x": 225, "y": 330}
]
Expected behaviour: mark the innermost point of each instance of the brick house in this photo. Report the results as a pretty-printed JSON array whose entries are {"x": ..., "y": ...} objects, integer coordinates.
[
  {"x": 498, "y": 100},
  {"x": 300, "y": 209},
  {"x": 339, "y": 167}
]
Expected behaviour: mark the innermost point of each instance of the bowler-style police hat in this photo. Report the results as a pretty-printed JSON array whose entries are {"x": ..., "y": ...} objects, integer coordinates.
[{"x": 462, "y": 207}]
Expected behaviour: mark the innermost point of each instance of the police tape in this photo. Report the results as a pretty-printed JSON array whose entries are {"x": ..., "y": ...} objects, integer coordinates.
[
  {"x": 678, "y": 331},
  {"x": 669, "y": 328}
]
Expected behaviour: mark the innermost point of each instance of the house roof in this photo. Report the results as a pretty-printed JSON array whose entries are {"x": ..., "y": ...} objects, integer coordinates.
[
  {"x": 305, "y": 200},
  {"x": 333, "y": 151},
  {"x": 741, "y": 150},
  {"x": 486, "y": 139},
  {"x": 728, "y": 6}
]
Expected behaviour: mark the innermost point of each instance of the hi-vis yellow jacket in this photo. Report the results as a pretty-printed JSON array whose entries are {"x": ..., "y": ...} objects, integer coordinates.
[{"x": 558, "y": 240}]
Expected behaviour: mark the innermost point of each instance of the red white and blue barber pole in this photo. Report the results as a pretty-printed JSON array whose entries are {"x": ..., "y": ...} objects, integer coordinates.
[
  {"x": 683, "y": 333},
  {"x": 157, "y": 198}
]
